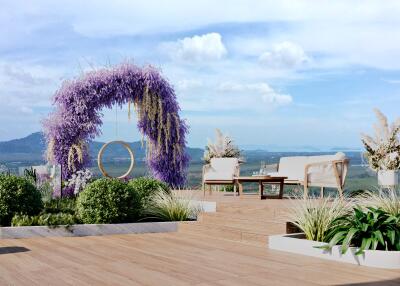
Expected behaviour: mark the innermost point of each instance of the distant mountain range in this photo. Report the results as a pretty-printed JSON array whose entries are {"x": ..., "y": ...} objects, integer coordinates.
[
  {"x": 31, "y": 148},
  {"x": 304, "y": 148}
]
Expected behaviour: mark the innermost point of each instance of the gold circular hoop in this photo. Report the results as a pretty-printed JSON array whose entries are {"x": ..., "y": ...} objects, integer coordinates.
[{"x": 100, "y": 157}]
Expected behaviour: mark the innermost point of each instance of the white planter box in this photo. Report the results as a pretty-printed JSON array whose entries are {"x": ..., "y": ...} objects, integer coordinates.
[
  {"x": 373, "y": 258},
  {"x": 388, "y": 178}
]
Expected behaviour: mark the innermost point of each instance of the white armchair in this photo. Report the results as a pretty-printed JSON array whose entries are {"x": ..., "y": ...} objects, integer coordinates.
[
  {"x": 326, "y": 171},
  {"x": 220, "y": 171}
]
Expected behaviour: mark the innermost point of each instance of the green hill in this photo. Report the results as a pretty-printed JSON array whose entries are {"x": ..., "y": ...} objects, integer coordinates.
[{"x": 31, "y": 149}]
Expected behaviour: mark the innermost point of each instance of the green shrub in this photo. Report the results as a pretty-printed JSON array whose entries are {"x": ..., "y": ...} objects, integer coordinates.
[
  {"x": 17, "y": 195},
  {"x": 60, "y": 205},
  {"x": 48, "y": 219},
  {"x": 108, "y": 201},
  {"x": 146, "y": 188}
]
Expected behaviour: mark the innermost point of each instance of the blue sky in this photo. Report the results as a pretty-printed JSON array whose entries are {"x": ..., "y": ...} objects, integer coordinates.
[{"x": 269, "y": 73}]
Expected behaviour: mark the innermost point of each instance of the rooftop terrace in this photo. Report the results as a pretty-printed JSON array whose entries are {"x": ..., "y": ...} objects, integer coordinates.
[{"x": 224, "y": 248}]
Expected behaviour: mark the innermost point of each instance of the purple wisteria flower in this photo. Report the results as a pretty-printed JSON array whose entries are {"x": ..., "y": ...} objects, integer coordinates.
[{"x": 77, "y": 118}]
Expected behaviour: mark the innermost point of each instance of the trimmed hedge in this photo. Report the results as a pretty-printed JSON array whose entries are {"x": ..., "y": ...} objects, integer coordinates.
[
  {"x": 108, "y": 201},
  {"x": 17, "y": 196}
]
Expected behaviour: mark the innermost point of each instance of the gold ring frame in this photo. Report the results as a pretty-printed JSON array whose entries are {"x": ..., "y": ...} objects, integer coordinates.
[{"x": 100, "y": 157}]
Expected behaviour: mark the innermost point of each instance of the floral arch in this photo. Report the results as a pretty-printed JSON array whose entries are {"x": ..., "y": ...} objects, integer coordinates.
[{"x": 77, "y": 119}]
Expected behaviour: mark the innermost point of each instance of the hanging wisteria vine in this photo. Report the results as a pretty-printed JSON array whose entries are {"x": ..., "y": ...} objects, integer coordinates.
[{"x": 77, "y": 119}]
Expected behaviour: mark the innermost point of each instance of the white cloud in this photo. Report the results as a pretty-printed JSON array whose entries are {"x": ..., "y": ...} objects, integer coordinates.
[
  {"x": 207, "y": 47},
  {"x": 231, "y": 86},
  {"x": 392, "y": 81},
  {"x": 104, "y": 18},
  {"x": 26, "y": 110},
  {"x": 268, "y": 94},
  {"x": 347, "y": 31},
  {"x": 284, "y": 55},
  {"x": 271, "y": 96},
  {"x": 22, "y": 76},
  {"x": 187, "y": 84},
  {"x": 57, "y": 34}
]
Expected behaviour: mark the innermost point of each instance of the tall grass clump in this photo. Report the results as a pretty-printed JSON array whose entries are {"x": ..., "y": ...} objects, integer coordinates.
[
  {"x": 388, "y": 201},
  {"x": 315, "y": 217},
  {"x": 172, "y": 207}
]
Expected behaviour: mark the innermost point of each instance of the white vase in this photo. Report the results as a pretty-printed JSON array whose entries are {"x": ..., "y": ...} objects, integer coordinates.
[{"x": 388, "y": 178}]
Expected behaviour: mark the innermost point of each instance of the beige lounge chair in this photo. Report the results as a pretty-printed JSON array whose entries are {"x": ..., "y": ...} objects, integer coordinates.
[
  {"x": 325, "y": 171},
  {"x": 220, "y": 171}
]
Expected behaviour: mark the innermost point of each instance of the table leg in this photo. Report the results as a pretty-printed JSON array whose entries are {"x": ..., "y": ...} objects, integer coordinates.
[
  {"x": 262, "y": 191},
  {"x": 281, "y": 185},
  {"x": 240, "y": 189}
]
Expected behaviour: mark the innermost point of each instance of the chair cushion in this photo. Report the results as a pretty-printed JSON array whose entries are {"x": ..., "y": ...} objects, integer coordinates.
[
  {"x": 294, "y": 167},
  {"x": 221, "y": 169},
  {"x": 224, "y": 165}
]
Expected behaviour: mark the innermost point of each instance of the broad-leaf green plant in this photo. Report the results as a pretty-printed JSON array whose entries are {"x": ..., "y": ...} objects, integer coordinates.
[{"x": 367, "y": 228}]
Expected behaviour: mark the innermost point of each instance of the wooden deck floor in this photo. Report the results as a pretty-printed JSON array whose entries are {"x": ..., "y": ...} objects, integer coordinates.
[{"x": 226, "y": 248}]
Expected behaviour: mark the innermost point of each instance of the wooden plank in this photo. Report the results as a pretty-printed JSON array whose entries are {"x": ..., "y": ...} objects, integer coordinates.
[{"x": 226, "y": 248}]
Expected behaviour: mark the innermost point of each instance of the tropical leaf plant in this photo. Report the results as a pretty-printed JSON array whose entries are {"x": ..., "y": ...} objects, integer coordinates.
[{"x": 369, "y": 228}]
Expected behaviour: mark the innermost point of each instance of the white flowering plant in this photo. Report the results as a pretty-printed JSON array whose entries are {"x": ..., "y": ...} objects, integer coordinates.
[
  {"x": 383, "y": 149},
  {"x": 79, "y": 180},
  {"x": 223, "y": 147}
]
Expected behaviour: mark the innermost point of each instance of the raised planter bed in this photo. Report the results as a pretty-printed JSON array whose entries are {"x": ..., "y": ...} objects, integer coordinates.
[
  {"x": 87, "y": 229},
  {"x": 100, "y": 229},
  {"x": 295, "y": 243}
]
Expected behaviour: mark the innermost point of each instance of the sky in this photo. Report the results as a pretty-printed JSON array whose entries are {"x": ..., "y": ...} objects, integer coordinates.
[{"x": 269, "y": 73}]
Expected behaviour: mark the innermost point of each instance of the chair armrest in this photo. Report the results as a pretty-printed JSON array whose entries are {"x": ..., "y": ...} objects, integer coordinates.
[
  {"x": 340, "y": 177},
  {"x": 322, "y": 163}
]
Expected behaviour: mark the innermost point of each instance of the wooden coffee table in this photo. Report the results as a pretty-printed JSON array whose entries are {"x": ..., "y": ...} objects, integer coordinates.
[{"x": 261, "y": 180}]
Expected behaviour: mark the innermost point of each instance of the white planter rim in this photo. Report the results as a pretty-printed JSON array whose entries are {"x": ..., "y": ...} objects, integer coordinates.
[
  {"x": 87, "y": 229},
  {"x": 296, "y": 243}
]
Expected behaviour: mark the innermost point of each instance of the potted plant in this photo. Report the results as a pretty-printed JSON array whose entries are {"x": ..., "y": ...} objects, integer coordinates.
[
  {"x": 223, "y": 147},
  {"x": 383, "y": 150}
]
